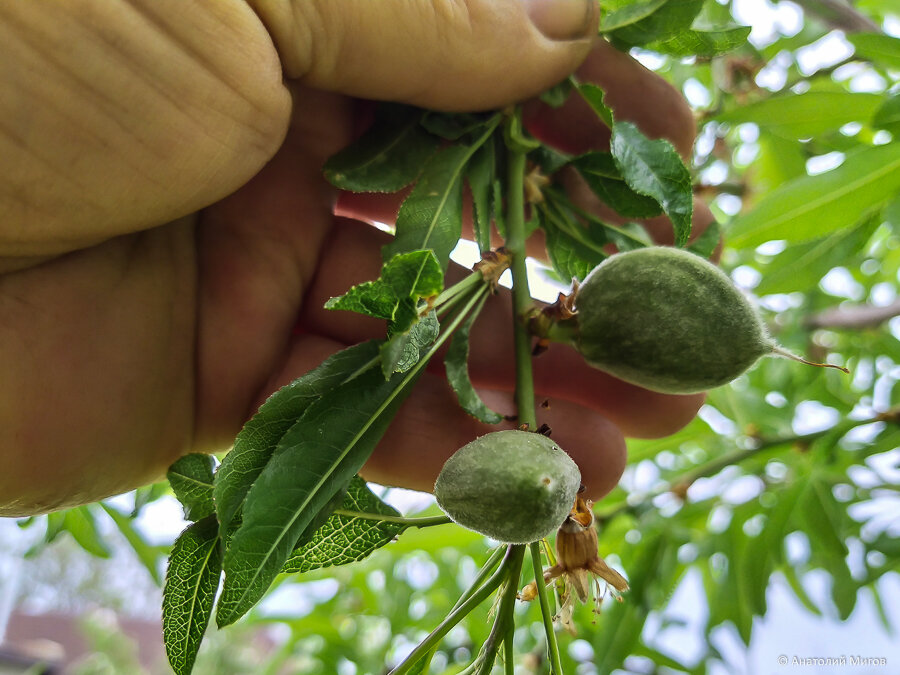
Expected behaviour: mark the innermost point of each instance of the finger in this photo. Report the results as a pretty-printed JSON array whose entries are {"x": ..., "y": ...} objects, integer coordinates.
[
  {"x": 430, "y": 427},
  {"x": 634, "y": 93},
  {"x": 468, "y": 55},
  {"x": 119, "y": 116},
  {"x": 352, "y": 257},
  {"x": 257, "y": 252}
]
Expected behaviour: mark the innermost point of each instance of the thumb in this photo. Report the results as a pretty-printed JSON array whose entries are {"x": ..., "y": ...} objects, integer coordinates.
[{"x": 444, "y": 54}]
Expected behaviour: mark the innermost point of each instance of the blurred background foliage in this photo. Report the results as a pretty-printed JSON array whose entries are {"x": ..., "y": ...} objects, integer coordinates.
[{"x": 788, "y": 479}]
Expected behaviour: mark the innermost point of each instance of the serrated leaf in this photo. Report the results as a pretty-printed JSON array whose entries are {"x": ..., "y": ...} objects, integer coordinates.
[
  {"x": 549, "y": 159},
  {"x": 388, "y": 157},
  {"x": 654, "y": 168},
  {"x": 401, "y": 352},
  {"x": 480, "y": 175},
  {"x": 456, "y": 365},
  {"x": 703, "y": 43},
  {"x": 602, "y": 176},
  {"x": 148, "y": 555},
  {"x": 803, "y": 115},
  {"x": 344, "y": 539},
  {"x": 191, "y": 478},
  {"x": 569, "y": 258},
  {"x": 667, "y": 20},
  {"x": 318, "y": 456},
  {"x": 192, "y": 578},
  {"x": 80, "y": 523},
  {"x": 881, "y": 49},
  {"x": 594, "y": 96},
  {"x": 628, "y": 14},
  {"x": 813, "y": 206},
  {"x": 706, "y": 243},
  {"x": 405, "y": 279},
  {"x": 256, "y": 442},
  {"x": 431, "y": 216}
]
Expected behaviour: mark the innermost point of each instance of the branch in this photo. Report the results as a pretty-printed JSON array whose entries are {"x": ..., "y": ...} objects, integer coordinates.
[
  {"x": 680, "y": 484},
  {"x": 838, "y": 14},
  {"x": 854, "y": 316}
]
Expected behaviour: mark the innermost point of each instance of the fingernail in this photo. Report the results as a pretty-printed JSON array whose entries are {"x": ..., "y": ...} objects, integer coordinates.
[{"x": 564, "y": 19}]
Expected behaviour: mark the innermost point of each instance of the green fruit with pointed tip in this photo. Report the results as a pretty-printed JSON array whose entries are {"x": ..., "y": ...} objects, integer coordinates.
[
  {"x": 668, "y": 320},
  {"x": 513, "y": 486}
]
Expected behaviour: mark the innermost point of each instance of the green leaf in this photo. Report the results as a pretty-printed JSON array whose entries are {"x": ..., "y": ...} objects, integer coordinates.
[
  {"x": 629, "y": 14},
  {"x": 405, "y": 279},
  {"x": 256, "y": 442},
  {"x": 813, "y": 206},
  {"x": 453, "y": 126},
  {"x": 594, "y": 96},
  {"x": 802, "y": 266},
  {"x": 602, "y": 176},
  {"x": 558, "y": 94},
  {"x": 148, "y": 555},
  {"x": 191, "y": 478},
  {"x": 456, "y": 365},
  {"x": 881, "y": 49},
  {"x": 888, "y": 115},
  {"x": 843, "y": 588},
  {"x": 388, "y": 157},
  {"x": 431, "y": 216},
  {"x": 654, "y": 168},
  {"x": 80, "y": 523},
  {"x": 669, "y": 19},
  {"x": 403, "y": 350},
  {"x": 704, "y": 43},
  {"x": 192, "y": 578},
  {"x": 345, "y": 539},
  {"x": 821, "y": 517},
  {"x": 147, "y": 494},
  {"x": 790, "y": 575},
  {"x": 316, "y": 458},
  {"x": 706, "y": 243},
  {"x": 805, "y": 115},
  {"x": 569, "y": 257},
  {"x": 480, "y": 174}
]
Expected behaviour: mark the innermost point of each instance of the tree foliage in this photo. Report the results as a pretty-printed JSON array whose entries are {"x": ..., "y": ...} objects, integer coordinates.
[{"x": 774, "y": 479}]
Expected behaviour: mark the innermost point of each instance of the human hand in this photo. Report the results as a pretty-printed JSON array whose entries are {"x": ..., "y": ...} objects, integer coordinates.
[{"x": 153, "y": 274}]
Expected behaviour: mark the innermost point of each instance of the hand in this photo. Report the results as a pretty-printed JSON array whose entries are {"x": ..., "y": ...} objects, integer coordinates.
[{"x": 165, "y": 223}]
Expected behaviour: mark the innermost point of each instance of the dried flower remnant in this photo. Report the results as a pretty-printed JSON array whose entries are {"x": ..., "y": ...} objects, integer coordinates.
[{"x": 579, "y": 565}]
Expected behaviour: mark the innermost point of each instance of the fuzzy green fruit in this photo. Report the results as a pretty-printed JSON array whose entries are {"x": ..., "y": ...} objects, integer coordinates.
[
  {"x": 513, "y": 486},
  {"x": 668, "y": 320}
]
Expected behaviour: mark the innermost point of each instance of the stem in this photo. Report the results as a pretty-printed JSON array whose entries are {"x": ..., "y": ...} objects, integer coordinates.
[
  {"x": 428, "y": 521},
  {"x": 509, "y": 666},
  {"x": 515, "y": 244},
  {"x": 546, "y": 614},
  {"x": 715, "y": 465},
  {"x": 476, "y": 597},
  {"x": 460, "y": 287},
  {"x": 505, "y": 619},
  {"x": 483, "y": 573}
]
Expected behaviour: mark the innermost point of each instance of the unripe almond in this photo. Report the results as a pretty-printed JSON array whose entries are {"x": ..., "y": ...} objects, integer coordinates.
[
  {"x": 667, "y": 320},
  {"x": 513, "y": 486}
]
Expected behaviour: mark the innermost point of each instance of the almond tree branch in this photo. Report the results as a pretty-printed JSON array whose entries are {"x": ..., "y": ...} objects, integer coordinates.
[
  {"x": 854, "y": 316},
  {"x": 841, "y": 15}
]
